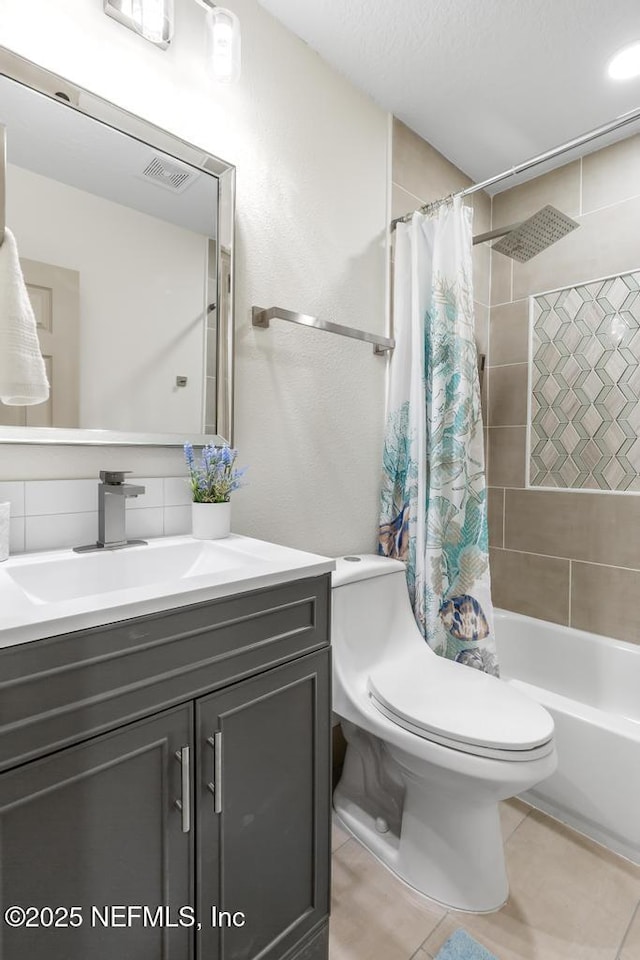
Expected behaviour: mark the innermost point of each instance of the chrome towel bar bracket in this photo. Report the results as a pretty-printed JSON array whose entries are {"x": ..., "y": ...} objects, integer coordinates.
[{"x": 261, "y": 317}]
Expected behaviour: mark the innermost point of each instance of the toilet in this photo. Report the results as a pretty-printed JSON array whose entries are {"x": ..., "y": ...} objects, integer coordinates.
[{"x": 432, "y": 746}]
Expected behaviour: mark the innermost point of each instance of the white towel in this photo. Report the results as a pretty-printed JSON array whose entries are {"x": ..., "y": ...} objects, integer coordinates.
[{"x": 23, "y": 377}]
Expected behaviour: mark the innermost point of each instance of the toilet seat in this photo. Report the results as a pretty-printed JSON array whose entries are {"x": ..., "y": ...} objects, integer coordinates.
[{"x": 460, "y": 708}]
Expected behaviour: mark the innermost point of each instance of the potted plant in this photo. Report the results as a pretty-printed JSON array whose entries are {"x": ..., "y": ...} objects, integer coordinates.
[{"x": 212, "y": 482}]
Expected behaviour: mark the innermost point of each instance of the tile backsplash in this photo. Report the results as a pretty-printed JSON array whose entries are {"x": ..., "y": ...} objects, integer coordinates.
[
  {"x": 585, "y": 386},
  {"x": 52, "y": 514}
]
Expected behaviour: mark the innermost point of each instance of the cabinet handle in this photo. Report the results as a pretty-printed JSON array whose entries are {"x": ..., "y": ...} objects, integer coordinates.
[
  {"x": 184, "y": 805},
  {"x": 215, "y": 742}
]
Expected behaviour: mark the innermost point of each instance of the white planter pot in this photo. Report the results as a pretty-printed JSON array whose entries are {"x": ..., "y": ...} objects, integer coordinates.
[{"x": 211, "y": 521}]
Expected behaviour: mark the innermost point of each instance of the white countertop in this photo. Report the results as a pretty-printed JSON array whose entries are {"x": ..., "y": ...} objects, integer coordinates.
[{"x": 47, "y": 594}]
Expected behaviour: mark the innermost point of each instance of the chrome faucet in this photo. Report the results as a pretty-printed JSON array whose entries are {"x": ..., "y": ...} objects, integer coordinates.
[{"x": 112, "y": 495}]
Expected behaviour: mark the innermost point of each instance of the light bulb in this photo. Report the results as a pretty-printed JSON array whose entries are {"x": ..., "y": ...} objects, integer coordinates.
[
  {"x": 154, "y": 19},
  {"x": 626, "y": 63},
  {"x": 224, "y": 44}
]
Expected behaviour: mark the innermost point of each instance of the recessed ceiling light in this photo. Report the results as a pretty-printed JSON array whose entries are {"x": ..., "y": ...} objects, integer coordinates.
[{"x": 625, "y": 64}]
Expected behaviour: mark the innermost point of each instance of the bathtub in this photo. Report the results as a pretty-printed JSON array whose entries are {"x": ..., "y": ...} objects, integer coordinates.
[{"x": 591, "y": 687}]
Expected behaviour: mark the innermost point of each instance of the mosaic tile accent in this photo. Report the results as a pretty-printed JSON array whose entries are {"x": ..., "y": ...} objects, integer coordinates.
[{"x": 584, "y": 425}]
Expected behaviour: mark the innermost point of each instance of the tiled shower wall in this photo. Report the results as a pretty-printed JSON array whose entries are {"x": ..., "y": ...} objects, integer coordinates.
[
  {"x": 420, "y": 175},
  {"x": 569, "y": 557},
  {"x": 584, "y": 430}
]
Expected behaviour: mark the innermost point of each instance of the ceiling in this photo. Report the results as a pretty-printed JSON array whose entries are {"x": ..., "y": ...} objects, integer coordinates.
[
  {"x": 489, "y": 83},
  {"x": 49, "y": 138}
]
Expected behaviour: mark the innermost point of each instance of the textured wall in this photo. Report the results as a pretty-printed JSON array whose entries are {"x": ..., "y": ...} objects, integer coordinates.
[
  {"x": 311, "y": 153},
  {"x": 570, "y": 557}
]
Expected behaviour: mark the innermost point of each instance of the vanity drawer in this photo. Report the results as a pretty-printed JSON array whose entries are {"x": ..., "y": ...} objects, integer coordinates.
[{"x": 63, "y": 689}]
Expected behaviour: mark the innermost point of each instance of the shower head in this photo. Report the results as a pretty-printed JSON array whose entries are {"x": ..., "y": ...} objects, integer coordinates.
[{"x": 522, "y": 241}]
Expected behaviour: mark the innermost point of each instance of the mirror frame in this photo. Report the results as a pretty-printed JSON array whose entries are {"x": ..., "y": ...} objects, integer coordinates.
[{"x": 77, "y": 98}]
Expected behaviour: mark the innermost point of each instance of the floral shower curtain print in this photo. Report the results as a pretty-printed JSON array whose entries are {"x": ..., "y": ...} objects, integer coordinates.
[{"x": 433, "y": 505}]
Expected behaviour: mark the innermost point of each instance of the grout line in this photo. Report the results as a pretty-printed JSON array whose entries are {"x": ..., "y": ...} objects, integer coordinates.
[
  {"x": 580, "y": 283},
  {"x": 507, "y": 303},
  {"x": 487, "y": 399},
  {"x": 555, "y": 556},
  {"x": 347, "y": 836},
  {"x": 575, "y": 282},
  {"x": 425, "y": 953},
  {"x": 485, "y": 450},
  {"x": 421, "y": 200},
  {"x": 580, "y": 185},
  {"x": 608, "y": 206},
  {"x": 626, "y": 932},
  {"x": 354, "y": 843},
  {"x": 340, "y": 845},
  {"x": 394, "y": 183},
  {"x": 571, "y": 563},
  {"x": 548, "y": 490},
  {"x": 513, "y": 363},
  {"x": 518, "y": 825},
  {"x": 539, "y": 488},
  {"x": 413, "y": 956},
  {"x": 429, "y": 935},
  {"x": 64, "y": 513},
  {"x": 504, "y": 516}
]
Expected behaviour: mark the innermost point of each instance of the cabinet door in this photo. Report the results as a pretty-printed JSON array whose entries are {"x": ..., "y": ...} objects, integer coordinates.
[
  {"x": 263, "y": 816},
  {"x": 96, "y": 826}
]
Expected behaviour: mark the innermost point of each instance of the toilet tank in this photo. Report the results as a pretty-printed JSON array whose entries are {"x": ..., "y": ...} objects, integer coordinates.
[{"x": 371, "y": 621}]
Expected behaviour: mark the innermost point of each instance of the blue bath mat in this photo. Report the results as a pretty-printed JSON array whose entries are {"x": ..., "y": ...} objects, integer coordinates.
[{"x": 460, "y": 946}]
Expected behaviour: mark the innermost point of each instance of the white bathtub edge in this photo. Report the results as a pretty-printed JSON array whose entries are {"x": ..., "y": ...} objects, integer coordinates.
[
  {"x": 583, "y": 826},
  {"x": 589, "y": 684}
]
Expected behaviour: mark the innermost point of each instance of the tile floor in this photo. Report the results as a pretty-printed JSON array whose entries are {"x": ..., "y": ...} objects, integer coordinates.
[{"x": 570, "y": 900}]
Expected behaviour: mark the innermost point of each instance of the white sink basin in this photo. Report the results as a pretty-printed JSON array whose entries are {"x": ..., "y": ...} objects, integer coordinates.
[
  {"x": 53, "y": 579},
  {"x": 59, "y": 591}
]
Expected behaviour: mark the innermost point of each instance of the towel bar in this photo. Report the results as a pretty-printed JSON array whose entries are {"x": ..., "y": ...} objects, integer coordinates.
[{"x": 261, "y": 317}]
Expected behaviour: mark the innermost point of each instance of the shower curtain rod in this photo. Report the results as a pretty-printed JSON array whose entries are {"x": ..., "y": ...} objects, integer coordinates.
[{"x": 594, "y": 134}]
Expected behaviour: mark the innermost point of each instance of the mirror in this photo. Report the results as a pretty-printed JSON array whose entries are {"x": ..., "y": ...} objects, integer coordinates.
[{"x": 125, "y": 238}]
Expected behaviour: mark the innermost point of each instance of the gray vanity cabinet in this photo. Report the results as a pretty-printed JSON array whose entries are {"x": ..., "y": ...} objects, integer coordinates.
[
  {"x": 263, "y": 811},
  {"x": 176, "y": 760},
  {"x": 93, "y": 826}
]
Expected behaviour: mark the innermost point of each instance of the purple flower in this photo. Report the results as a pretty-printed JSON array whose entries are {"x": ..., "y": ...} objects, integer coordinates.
[
  {"x": 188, "y": 455},
  {"x": 215, "y": 478}
]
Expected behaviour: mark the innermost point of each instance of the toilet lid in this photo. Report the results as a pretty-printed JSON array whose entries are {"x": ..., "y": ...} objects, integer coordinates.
[{"x": 460, "y": 707}]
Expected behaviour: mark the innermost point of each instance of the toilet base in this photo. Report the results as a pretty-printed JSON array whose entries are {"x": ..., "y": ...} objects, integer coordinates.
[{"x": 445, "y": 843}]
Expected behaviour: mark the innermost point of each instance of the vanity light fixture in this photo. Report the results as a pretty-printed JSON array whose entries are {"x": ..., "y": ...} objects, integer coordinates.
[
  {"x": 151, "y": 19},
  {"x": 625, "y": 64},
  {"x": 223, "y": 38}
]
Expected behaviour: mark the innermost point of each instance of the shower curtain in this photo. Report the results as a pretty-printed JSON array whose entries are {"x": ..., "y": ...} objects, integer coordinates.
[{"x": 433, "y": 504}]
